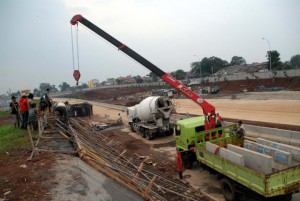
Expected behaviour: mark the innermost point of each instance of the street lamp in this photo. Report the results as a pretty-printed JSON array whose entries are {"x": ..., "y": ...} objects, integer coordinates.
[
  {"x": 269, "y": 52},
  {"x": 199, "y": 63}
]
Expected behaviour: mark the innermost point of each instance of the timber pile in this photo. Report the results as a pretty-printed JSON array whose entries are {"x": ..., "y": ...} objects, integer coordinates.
[{"x": 131, "y": 170}]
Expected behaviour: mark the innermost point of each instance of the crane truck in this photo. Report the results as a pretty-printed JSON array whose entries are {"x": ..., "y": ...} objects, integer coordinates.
[
  {"x": 151, "y": 117},
  {"x": 201, "y": 135}
]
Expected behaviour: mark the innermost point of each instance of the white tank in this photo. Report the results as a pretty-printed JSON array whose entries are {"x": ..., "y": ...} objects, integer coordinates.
[{"x": 154, "y": 107}]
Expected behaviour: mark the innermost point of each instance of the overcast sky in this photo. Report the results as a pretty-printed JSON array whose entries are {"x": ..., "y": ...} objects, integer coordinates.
[{"x": 35, "y": 42}]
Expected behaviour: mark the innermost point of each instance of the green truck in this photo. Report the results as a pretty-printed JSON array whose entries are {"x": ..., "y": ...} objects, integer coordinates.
[{"x": 237, "y": 181}]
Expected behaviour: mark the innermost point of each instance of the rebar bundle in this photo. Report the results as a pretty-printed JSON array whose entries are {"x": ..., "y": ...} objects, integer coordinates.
[{"x": 135, "y": 172}]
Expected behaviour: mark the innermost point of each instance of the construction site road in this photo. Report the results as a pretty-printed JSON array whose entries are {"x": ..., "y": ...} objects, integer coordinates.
[{"x": 76, "y": 180}]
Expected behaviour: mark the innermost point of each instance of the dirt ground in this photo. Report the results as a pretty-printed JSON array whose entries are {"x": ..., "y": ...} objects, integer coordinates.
[
  {"x": 18, "y": 183},
  {"x": 22, "y": 179}
]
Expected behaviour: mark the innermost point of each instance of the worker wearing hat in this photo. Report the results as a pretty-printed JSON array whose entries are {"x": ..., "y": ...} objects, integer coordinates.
[{"x": 23, "y": 102}]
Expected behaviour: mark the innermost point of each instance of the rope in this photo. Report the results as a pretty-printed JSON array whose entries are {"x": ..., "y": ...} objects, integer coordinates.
[
  {"x": 77, "y": 46},
  {"x": 72, "y": 48}
]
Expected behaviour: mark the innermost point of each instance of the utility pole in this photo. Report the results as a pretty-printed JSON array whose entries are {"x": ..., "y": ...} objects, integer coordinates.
[{"x": 269, "y": 52}]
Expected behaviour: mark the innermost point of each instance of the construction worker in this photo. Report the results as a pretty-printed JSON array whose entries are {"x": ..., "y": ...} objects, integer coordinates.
[
  {"x": 61, "y": 110},
  {"x": 240, "y": 131},
  {"x": 48, "y": 99},
  {"x": 24, "y": 110},
  {"x": 190, "y": 156},
  {"x": 33, "y": 117},
  {"x": 15, "y": 112}
]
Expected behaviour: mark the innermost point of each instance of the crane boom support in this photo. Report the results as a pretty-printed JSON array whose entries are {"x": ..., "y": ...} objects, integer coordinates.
[{"x": 208, "y": 109}]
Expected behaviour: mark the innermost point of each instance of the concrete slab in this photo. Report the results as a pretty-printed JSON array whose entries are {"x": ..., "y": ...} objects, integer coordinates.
[
  {"x": 226, "y": 154},
  {"x": 273, "y": 134},
  {"x": 279, "y": 156},
  {"x": 295, "y": 151},
  {"x": 256, "y": 161}
]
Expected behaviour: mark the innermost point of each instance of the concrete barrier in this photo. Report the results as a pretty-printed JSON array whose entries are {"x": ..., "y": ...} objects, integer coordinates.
[
  {"x": 226, "y": 154},
  {"x": 279, "y": 156},
  {"x": 273, "y": 134},
  {"x": 295, "y": 151},
  {"x": 256, "y": 161}
]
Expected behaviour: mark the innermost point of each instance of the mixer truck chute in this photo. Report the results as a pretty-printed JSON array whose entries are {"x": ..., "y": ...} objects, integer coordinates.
[
  {"x": 151, "y": 117},
  {"x": 208, "y": 109}
]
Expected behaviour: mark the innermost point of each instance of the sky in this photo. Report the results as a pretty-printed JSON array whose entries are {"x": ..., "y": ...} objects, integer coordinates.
[{"x": 36, "y": 45}]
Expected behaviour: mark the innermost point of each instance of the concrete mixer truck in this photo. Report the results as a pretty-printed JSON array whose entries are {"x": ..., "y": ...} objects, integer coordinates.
[{"x": 151, "y": 117}]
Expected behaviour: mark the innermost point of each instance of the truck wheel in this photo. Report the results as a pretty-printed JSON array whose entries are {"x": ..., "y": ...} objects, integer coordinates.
[
  {"x": 171, "y": 131},
  {"x": 142, "y": 132},
  {"x": 228, "y": 190},
  {"x": 148, "y": 134},
  {"x": 135, "y": 127},
  {"x": 131, "y": 127}
]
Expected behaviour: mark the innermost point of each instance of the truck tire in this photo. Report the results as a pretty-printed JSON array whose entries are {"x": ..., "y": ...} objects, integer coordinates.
[
  {"x": 131, "y": 127},
  {"x": 142, "y": 132},
  {"x": 148, "y": 134},
  {"x": 228, "y": 190},
  {"x": 135, "y": 127},
  {"x": 170, "y": 132}
]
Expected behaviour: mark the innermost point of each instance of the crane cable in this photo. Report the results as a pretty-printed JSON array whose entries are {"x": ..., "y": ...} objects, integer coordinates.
[{"x": 76, "y": 73}]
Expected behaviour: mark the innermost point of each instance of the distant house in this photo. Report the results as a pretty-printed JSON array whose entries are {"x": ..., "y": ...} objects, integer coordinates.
[
  {"x": 110, "y": 81},
  {"x": 126, "y": 80},
  {"x": 93, "y": 83},
  {"x": 250, "y": 68},
  {"x": 146, "y": 79}
]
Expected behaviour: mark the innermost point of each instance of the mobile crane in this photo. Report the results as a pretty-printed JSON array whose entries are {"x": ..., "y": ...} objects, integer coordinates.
[
  {"x": 208, "y": 109},
  {"x": 199, "y": 133}
]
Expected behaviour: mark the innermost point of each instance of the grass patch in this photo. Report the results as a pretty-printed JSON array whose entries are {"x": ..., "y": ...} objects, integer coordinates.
[
  {"x": 12, "y": 139},
  {"x": 4, "y": 113}
]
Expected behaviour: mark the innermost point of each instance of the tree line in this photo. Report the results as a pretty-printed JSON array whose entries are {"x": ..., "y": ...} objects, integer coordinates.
[{"x": 207, "y": 66}]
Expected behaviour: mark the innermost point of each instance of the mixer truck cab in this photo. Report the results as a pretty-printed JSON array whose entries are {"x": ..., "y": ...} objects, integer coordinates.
[{"x": 151, "y": 117}]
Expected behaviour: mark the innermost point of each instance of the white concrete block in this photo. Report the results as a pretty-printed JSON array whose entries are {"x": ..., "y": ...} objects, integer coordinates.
[
  {"x": 226, "y": 154},
  {"x": 295, "y": 139},
  {"x": 256, "y": 161},
  {"x": 295, "y": 151},
  {"x": 274, "y": 134},
  {"x": 279, "y": 156}
]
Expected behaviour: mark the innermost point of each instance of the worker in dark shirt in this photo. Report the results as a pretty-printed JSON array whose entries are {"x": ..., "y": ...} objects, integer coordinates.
[{"x": 16, "y": 118}]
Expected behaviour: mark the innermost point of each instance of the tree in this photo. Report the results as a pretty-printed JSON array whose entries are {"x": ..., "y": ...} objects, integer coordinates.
[
  {"x": 84, "y": 86},
  {"x": 153, "y": 76},
  {"x": 138, "y": 79},
  {"x": 16, "y": 94},
  {"x": 53, "y": 88},
  {"x": 36, "y": 92},
  {"x": 209, "y": 65},
  {"x": 118, "y": 81},
  {"x": 236, "y": 60},
  {"x": 295, "y": 61},
  {"x": 44, "y": 86},
  {"x": 180, "y": 74},
  {"x": 275, "y": 59},
  {"x": 64, "y": 86},
  {"x": 196, "y": 68}
]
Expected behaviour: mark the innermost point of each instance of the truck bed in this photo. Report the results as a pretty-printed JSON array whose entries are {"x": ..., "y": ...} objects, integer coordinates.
[{"x": 284, "y": 179}]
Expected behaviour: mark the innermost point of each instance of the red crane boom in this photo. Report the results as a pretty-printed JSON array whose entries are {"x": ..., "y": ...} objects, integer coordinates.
[{"x": 208, "y": 109}]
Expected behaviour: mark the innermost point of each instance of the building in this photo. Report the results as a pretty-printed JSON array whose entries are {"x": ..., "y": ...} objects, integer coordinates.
[
  {"x": 110, "y": 81},
  {"x": 93, "y": 83}
]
